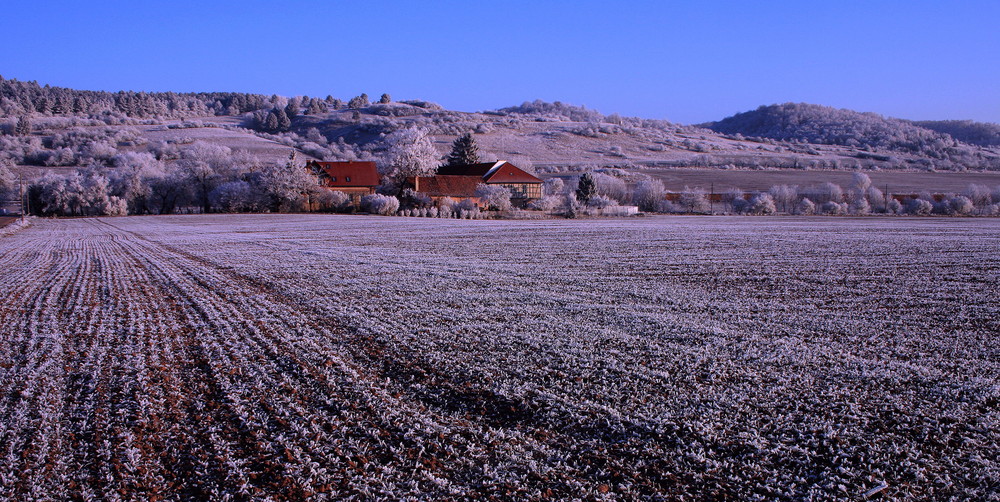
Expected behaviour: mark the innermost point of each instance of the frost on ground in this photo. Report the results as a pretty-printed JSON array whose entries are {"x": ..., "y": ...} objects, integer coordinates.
[{"x": 291, "y": 357}]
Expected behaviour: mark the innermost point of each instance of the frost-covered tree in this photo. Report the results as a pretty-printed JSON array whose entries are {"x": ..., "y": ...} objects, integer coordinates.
[
  {"x": 784, "y": 196},
  {"x": 385, "y": 99},
  {"x": 494, "y": 197},
  {"x": 409, "y": 153},
  {"x": 586, "y": 187},
  {"x": 611, "y": 187},
  {"x": 961, "y": 205},
  {"x": 919, "y": 207},
  {"x": 805, "y": 207},
  {"x": 8, "y": 183},
  {"x": 825, "y": 192},
  {"x": 202, "y": 179},
  {"x": 130, "y": 181},
  {"x": 168, "y": 191},
  {"x": 761, "y": 203},
  {"x": 289, "y": 186},
  {"x": 860, "y": 206},
  {"x": 978, "y": 194},
  {"x": 694, "y": 200},
  {"x": 649, "y": 195},
  {"x": 860, "y": 182},
  {"x": 601, "y": 201},
  {"x": 237, "y": 197},
  {"x": 553, "y": 186},
  {"x": 894, "y": 207},
  {"x": 358, "y": 101},
  {"x": 464, "y": 151}
]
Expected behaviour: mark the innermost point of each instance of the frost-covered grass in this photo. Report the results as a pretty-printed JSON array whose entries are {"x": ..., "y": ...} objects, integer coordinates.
[{"x": 300, "y": 356}]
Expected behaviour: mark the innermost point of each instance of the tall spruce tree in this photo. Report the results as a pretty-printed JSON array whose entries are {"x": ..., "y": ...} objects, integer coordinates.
[
  {"x": 464, "y": 151},
  {"x": 587, "y": 188}
]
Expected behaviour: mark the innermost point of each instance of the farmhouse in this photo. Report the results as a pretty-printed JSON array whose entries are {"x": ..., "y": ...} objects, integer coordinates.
[
  {"x": 461, "y": 181},
  {"x": 354, "y": 178}
]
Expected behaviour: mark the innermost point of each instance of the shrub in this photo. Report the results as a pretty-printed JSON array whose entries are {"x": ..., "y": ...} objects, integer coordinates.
[
  {"x": 961, "y": 205},
  {"x": 694, "y": 201},
  {"x": 761, "y": 203},
  {"x": 894, "y": 207},
  {"x": 494, "y": 196},
  {"x": 919, "y": 207},
  {"x": 547, "y": 203},
  {"x": 833, "y": 208},
  {"x": 333, "y": 200},
  {"x": 380, "y": 204},
  {"x": 805, "y": 206},
  {"x": 601, "y": 202}
]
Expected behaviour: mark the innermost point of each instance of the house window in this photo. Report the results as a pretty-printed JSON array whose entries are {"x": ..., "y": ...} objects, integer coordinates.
[
  {"x": 333, "y": 179},
  {"x": 348, "y": 179}
]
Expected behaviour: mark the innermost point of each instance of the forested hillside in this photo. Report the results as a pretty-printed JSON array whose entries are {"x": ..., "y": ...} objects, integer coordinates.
[
  {"x": 966, "y": 131},
  {"x": 825, "y": 125}
]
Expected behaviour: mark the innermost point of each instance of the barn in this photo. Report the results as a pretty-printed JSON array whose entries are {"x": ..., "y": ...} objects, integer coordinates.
[
  {"x": 354, "y": 178},
  {"x": 461, "y": 181}
]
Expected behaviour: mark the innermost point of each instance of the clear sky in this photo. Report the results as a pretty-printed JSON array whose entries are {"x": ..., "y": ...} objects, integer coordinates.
[{"x": 687, "y": 62}]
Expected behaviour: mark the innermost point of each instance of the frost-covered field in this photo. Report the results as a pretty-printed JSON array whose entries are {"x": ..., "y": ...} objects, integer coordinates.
[{"x": 291, "y": 357}]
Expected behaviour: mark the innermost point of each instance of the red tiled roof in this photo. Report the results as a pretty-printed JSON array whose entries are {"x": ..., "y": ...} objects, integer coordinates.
[
  {"x": 505, "y": 172},
  {"x": 349, "y": 174},
  {"x": 448, "y": 185},
  {"x": 491, "y": 172}
]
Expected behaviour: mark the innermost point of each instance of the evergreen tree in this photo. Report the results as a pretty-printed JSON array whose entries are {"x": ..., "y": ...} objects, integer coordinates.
[
  {"x": 587, "y": 188},
  {"x": 292, "y": 109},
  {"x": 23, "y": 127},
  {"x": 359, "y": 101},
  {"x": 464, "y": 151},
  {"x": 385, "y": 99},
  {"x": 271, "y": 122}
]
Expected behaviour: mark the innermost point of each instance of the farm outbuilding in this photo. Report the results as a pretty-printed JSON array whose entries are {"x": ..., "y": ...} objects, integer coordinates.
[
  {"x": 354, "y": 178},
  {"x": 461, "y": 181}
]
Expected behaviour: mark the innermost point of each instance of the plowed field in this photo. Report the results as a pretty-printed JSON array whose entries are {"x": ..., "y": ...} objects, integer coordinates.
[{"x": 299, "y": 357}]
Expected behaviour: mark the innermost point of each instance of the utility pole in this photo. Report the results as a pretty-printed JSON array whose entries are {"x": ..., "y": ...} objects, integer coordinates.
[
  {"x": 887, "y": 196},
  {"x": 711, "y": 198},
  {"x": 20, "y": 183}
]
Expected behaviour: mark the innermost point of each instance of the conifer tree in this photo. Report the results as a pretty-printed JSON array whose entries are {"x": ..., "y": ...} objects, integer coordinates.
[
  {"x": 23, "y": 127},
  {"x": 464, "y": 151},
  {"x": 587, "y": 187}
]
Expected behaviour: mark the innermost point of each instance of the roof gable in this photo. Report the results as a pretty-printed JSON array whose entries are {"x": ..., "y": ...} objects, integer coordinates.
[
  {"x": 505, "y": 172},
  {"x": 491, "y": 172}
]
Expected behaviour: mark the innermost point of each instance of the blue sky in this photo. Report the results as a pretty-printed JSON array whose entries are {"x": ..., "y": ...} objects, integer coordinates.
[{"x": 688, "y": 62}]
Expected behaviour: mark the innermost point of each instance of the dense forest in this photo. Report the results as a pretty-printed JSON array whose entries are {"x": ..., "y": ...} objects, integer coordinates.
[
  {"x": 966, "y": 131},
  {"x": 869, "y": 131}
]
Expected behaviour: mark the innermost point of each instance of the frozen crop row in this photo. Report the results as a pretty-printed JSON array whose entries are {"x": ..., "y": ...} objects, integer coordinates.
[{"x": 292, "y": 357}]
